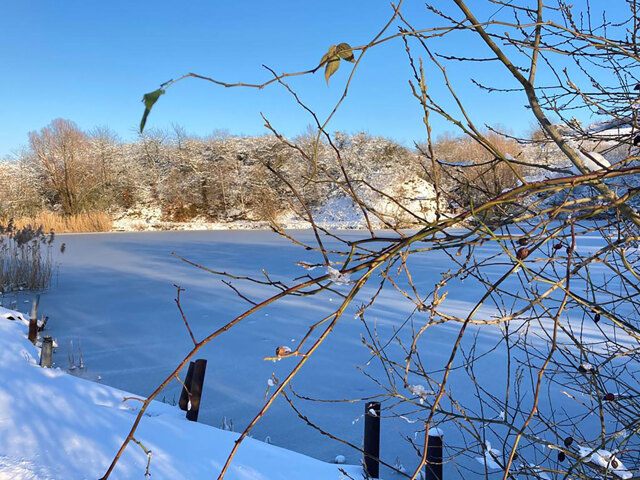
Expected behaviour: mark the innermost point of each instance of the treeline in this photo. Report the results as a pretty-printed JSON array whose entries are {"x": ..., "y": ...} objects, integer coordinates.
[{"x": 223, "y": 178}]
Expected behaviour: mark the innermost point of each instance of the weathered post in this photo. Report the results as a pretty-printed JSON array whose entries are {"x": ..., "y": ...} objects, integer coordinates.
[
  {"x": 183, "y": 403},
  {"x": 33, "y": 320},
  {"x": 372, "y": 439},
  {"x": 46, "y": 354},
  {"x": 197, "y": 381},
  {"x": 433, "y": 469}
]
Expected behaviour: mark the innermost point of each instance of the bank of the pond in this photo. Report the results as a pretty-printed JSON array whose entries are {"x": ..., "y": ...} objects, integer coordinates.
[{"x": 56, "y": 426}]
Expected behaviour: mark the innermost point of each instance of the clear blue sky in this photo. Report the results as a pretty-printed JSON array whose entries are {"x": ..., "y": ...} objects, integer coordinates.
[{"x": 90, "y": 62}]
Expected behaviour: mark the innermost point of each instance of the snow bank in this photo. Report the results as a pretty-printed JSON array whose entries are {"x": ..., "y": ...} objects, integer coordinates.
[{"x": 57, "y": 426}]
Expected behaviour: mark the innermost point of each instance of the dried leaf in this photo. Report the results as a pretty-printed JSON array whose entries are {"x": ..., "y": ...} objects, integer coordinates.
[
  {"x": 344, "y": 51},
  {"x": 330, "y": 54},
  {"x": 331, "y": 68}
]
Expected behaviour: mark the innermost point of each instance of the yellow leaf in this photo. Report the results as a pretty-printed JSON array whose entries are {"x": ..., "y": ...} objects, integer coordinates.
[{"x": 332, "y": 67}]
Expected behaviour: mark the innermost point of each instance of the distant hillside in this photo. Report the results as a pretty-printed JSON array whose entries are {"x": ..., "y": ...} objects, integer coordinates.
[{"x": 169, "y": 180}]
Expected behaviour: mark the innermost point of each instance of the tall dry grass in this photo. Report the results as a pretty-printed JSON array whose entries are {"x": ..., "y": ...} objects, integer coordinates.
[
  {"x": 25, "y": 258},
  {"x": 80, "y": 223}
]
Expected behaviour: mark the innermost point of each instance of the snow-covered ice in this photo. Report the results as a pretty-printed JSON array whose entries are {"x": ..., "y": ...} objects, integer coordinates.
[{"x": 114, "y": 293}]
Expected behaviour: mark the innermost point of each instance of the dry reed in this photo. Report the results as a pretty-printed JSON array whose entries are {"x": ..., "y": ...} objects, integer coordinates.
[
  {"x": 25, "y": 258},
  {"x": 80, "y": 223}
]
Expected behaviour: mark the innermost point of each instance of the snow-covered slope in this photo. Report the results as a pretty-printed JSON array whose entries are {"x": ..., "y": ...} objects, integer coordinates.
[
  {"x": 55, "y": 426},
  {"x": 601, "y": 146}
]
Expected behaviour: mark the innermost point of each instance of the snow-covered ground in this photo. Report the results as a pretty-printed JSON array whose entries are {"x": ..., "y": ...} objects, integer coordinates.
[{"x": 55, "y": 426}]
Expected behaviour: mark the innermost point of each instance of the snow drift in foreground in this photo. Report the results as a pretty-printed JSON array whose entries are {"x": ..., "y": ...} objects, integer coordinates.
[{"x": 56, "y": 426}]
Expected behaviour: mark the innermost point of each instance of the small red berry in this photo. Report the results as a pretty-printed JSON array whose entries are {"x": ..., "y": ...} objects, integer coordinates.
[
  {"x": 522, "y": 253},
  {"x": 609, "y": 397}
]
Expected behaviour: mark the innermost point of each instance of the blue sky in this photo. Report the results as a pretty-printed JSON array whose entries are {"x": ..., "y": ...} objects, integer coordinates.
[{"x": 90, "y": 62}]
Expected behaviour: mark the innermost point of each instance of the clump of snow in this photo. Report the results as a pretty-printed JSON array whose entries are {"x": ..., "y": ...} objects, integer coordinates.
[
  {"x": 490, "y": 457},
  {"x": 339, "y": 459},
  {"x": 586, "y": 367},
  {"x": 420, "y": 391},
  {"x": 337, "y": 277},
  {"x": 593, "y": 161},
  {"x": 606, "y": 460}
]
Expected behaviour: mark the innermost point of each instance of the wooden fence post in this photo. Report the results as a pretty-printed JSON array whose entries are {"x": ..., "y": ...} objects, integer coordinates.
[
  {"x": 372, "y": 439},
  {"x": 433, "y": 469},
  {"x": 46, "y": 354},
  {"x": 33, "y": 320},
  {"x": 197, "y": 381}
]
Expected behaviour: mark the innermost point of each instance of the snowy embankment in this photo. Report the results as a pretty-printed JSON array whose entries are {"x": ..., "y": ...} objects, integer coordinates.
[
  {"x": 57, "y": 426},
  {"x": 338, "y": 211}
]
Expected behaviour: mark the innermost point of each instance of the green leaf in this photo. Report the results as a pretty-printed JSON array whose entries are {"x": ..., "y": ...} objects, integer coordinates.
[
  {"x": 149, "y": 99},
  {"x": 344, "y": 51},
  {"x": 331, "y": 68}
]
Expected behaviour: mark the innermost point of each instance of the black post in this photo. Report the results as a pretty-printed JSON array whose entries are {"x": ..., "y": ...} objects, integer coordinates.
[
  {"x": 372, "y": 439},
  {"x": 197, "y": 381},
  {"x": 433, "y": 469},
  {"x": 46, "y": 354},
  {"x": 184, "y": 396},
  {"x": 33, "y": 320},
  {"x": 33, "y": 330}
]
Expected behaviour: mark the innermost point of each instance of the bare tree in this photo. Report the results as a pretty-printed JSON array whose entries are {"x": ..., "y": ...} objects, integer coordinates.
[{"x": 59, "y": 152}]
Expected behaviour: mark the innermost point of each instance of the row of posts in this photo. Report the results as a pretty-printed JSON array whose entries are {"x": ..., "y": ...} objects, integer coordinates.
[
  {"x": 433, "y": 468},
  {"x": 190, "y": 403},
  {"x": 46, "y": 353},
  {"x": 192, "y": 393}
]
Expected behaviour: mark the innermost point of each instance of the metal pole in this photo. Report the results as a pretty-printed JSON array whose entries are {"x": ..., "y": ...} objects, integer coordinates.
[
  {"x": 433, "y": 469},
  {"x": 197, "y": 382},
  {"x": 372, "y": 439}
]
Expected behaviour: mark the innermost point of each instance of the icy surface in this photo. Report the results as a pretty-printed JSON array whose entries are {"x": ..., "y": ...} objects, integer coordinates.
[{"x": 114, "y": 296}]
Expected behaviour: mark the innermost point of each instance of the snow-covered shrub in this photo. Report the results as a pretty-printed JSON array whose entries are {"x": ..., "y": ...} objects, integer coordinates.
[{"x": 472, "y": 171}]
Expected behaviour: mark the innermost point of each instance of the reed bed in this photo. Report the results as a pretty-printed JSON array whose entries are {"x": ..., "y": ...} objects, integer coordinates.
[
  {"x": 80, "y": 223},
  {"x": 26, "y": 261}
]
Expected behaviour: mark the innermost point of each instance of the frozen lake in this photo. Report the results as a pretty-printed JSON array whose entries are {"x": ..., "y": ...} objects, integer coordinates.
[{"x": 114, "y": 297}]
